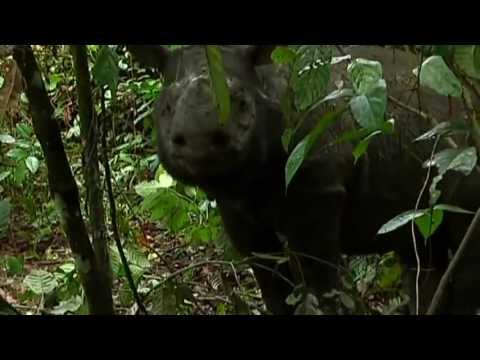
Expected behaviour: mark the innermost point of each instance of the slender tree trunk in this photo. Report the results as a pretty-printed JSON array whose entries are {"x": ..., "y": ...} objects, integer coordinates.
[
  {"x": 89, "y": 132},
  {"x": 62, "y": 184}
]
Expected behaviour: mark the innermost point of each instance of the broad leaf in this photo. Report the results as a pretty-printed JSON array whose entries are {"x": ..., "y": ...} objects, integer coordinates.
[
  {"x": 364, "y": 75},
  {"x": 15, "y": 265},
  {"x": 467, "y": 58},
  {"x": 70, "y": 305},
  {"x": 310, "y": 75},
  {"x": 429, "y": 223},
  {"x": 310, "y": 86},
  {"x": 32, "y": 164},
  {"x": 400, "y": 221},
  {"x": 369, "y": 108},
  {"x": 436, "y": 75},
  {"x": 221, "y": 92},
  {"x": 7, "y": 139},
  {"x": 302, "y": 150},
  {"x": 147, "y": 189},
  {"x": 460, "y": 160},
  {"x": 17, "y": 154},
  {"x": 362, "y": 147},
  {"x": 105, "y": 70},
  {"x": 283, "y": 55},
  {"x": 40, "y": 282},
  {"x": 446, "y": 128}
]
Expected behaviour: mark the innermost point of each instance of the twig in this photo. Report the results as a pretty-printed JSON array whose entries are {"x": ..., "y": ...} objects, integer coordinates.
[
  {"x": 113, "y": 215},
  {"x": 473, "y": 232},
  {"x": 417, "y": 256},
  {"x": 423, "y": 115}
]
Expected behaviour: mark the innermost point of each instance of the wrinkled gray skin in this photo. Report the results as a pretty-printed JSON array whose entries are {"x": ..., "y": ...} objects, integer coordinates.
[{"x": 332, "y": 206}]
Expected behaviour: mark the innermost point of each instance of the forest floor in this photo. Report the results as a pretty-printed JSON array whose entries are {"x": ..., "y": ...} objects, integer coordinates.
[{"x": 199, "y": 272}]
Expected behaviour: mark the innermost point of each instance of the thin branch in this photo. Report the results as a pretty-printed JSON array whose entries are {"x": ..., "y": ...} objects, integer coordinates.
[
  {"x": 414, "y": 238},
  {"x": 113, "y": 215},
  {"x": 473, "y": 233}
]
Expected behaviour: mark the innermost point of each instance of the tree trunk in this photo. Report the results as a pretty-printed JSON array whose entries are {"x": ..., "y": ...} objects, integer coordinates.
[
  {"x": 89, "y": 133},
  {"x": 62, "y": 184}
]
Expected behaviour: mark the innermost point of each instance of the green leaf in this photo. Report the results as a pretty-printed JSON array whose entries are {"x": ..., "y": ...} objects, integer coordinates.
[
  {"x": 105, "y": 70},
  {"x": 390, "y": 276},
  {"x": 369, "y": 109},
  {"x": 460, "y": 160},
  {"x": 454, "y": 209},
  {"x": 17, "y": 154},
  {"x": 70, "y": 305},
  {"x": 446, "y": 128},
  {"x": 310, "y": 86},
  {"x": 24, "y": 130},
  {"x": 7, "y": 139},
  {"x": 221, "y": 92},
  {"x": 5, "y": 174},
  {"x": 165, "y": 181},
  {"x": 467, "y": 58},
  {"x": 436, "y": 75},
  {"x": 20, "y": 173},
  {"x": 347, "y": 301},
  {"x": 283, "y": 55},
  {"x": 40, "y": 282},
  {"x": 302, "y": 150},
  {"x": 362, "y": 147},
  {"x": 32, "y": 164},
  {"x": 364, "y": 75},
  {"x": 429, "y": 223},
  {"x": 401, "y": 220},
  {"x": 146, "y": 189},
  {"x": 15, "y": 265},
  {"x": 67, "y": 268}
]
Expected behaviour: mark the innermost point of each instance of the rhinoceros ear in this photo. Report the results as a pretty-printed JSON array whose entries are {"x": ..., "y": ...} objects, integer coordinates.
[
  {"x": 151, "y": 56},
  {"x": 260, "y": 54}
]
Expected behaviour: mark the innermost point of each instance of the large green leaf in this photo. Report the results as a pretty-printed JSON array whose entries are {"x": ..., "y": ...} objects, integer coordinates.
[
  {"x": 364, "y": 74},
  {"x": 362, "y": 146},
  {"x": 70, "y": 305},
  {"x": 460, "y": 160},
  {"x": 467, "y": 58},
  {"x": 221, "y": 92},
  {"x": 283, "y": 55},
  {"x": 401, "y": 220},
  {"x": 369, "y": 108},
  {"x": 310, "y": 86},
  {"x": 302, "y": 150},
  {"x": 40, "y": 282},
  {"x": 17, "y": 154},
  {"x": 311, "y": 75},
  {"x": 429, "y": 223},
  {"x": 436, "y": 75},
  {"x": 105, "y": 70},
  {"x": 408, "y": 216}
]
